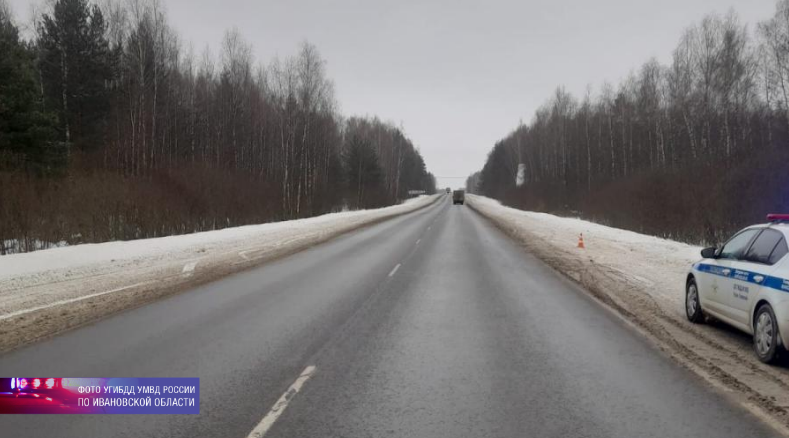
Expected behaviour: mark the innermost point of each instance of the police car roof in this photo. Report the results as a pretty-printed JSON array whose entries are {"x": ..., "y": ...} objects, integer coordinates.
[{"x": 781, "y": 226}]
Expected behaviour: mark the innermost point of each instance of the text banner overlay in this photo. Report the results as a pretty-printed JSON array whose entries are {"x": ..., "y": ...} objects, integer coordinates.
[{"x": 65, "y": 395}]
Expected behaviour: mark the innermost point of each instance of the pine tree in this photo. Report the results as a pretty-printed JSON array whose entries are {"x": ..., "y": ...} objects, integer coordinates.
[
  {"x": 75, "y": 69},
  {"x": 26, "y": 132}
]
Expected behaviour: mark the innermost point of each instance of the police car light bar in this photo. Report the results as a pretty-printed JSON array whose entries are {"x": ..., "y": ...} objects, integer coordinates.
[{"x": 774, "y": 217}]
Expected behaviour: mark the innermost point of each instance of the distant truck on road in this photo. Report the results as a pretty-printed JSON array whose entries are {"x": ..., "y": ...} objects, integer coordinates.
[{"x": 458, "y": 197}]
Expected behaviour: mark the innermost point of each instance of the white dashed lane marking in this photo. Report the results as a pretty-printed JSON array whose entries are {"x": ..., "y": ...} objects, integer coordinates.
[
  {"x": 189, "y": 269},
  {"x": 279, "y": 407}
]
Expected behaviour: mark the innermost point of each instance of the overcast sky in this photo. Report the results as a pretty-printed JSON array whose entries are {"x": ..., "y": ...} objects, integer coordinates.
[{"x": 458, "y": 75}]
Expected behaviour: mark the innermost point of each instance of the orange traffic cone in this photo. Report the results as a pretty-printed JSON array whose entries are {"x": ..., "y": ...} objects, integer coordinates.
[{"x": 581, "y": 241}]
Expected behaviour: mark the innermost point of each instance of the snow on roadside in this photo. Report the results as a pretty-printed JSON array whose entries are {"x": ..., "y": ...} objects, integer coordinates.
[
  {"x": 38, "y": 278},
  {"x": 656, "y": 266},
  {"x": 642, "y": 278}
]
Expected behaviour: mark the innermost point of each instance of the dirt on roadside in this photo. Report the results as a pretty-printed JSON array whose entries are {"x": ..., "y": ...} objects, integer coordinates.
[{"x": 720, "y": 355}]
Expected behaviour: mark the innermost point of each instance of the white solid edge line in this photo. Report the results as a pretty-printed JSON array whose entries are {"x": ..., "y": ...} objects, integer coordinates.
[
  {"x": 394, "y": 270},
  {"x": 71, "y": 300},
  {"x": 279, "y": 407}
]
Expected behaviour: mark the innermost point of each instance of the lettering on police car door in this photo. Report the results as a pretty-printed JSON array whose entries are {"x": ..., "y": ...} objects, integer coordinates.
[
  {"x": 741, "y": 291},
  {"x": 740, "y": 275}
]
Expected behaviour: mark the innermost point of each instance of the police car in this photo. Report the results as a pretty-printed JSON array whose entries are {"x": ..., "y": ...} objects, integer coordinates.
[{"x": 745, "y": 283}]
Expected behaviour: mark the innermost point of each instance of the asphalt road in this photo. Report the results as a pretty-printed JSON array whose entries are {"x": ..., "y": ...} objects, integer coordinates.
[{"x": 433, "y": 324}]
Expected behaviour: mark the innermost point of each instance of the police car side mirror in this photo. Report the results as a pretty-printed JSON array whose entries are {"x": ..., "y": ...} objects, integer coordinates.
[{"x": 709, "y": 253}]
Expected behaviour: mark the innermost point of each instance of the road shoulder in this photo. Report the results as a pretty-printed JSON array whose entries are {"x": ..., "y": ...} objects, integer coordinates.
[{"x": 651, "y": 302}]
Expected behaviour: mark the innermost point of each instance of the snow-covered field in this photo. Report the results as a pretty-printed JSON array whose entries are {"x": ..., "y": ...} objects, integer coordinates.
[
  {"x": 642, "y": 278},
  {"x": 40, "y": 291}
]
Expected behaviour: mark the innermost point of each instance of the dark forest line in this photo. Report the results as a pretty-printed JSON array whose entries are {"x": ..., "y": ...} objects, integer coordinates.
[
  {"x": 111, "y": 130},
  {"x": 691, "y": 151}
]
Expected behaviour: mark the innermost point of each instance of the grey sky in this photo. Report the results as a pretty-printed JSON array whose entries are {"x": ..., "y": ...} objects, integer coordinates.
[{"x": 458, "y": 75}]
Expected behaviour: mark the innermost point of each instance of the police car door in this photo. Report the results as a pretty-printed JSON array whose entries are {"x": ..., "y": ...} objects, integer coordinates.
[
  {"x": 717, "y": 284},
  {"x": 751, "y": 271}
]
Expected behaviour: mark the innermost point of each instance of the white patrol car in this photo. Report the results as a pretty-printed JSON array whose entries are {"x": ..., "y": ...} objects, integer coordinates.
[{"x": 746, "y": 284}]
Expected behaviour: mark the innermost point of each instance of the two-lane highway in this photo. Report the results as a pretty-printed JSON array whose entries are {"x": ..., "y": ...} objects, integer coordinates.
[{"x": 433, "y": 324}]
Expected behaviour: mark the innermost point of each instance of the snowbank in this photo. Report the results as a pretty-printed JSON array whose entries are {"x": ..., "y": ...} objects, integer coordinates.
[
  {"x": 658, "y": 266},
  {"x": 47, "y": 291},
  {"x": 57, "y": 263},
  {"x": 643, "y": 278}
]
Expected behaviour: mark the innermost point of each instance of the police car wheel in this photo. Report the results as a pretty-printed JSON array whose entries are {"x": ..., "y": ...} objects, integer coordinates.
[
  {"x": 765, "y": 334},
  {"x": 692, "y": 303}
]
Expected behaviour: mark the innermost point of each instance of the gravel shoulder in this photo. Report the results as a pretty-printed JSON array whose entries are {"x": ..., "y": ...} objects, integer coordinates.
[
  {"x": 44, "y": 293},
  {"x": 642, "y": 279}
]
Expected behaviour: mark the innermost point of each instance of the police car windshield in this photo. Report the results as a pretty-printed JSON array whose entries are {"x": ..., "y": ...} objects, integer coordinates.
[{"x": 737, "y": 245}]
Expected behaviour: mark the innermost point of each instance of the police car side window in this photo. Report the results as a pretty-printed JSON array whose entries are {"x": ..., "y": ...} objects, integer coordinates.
[
  {"x": 763, "y": 246},
  {"x": 736, "y": 246},
  {"x": 779, "y": 251}
]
